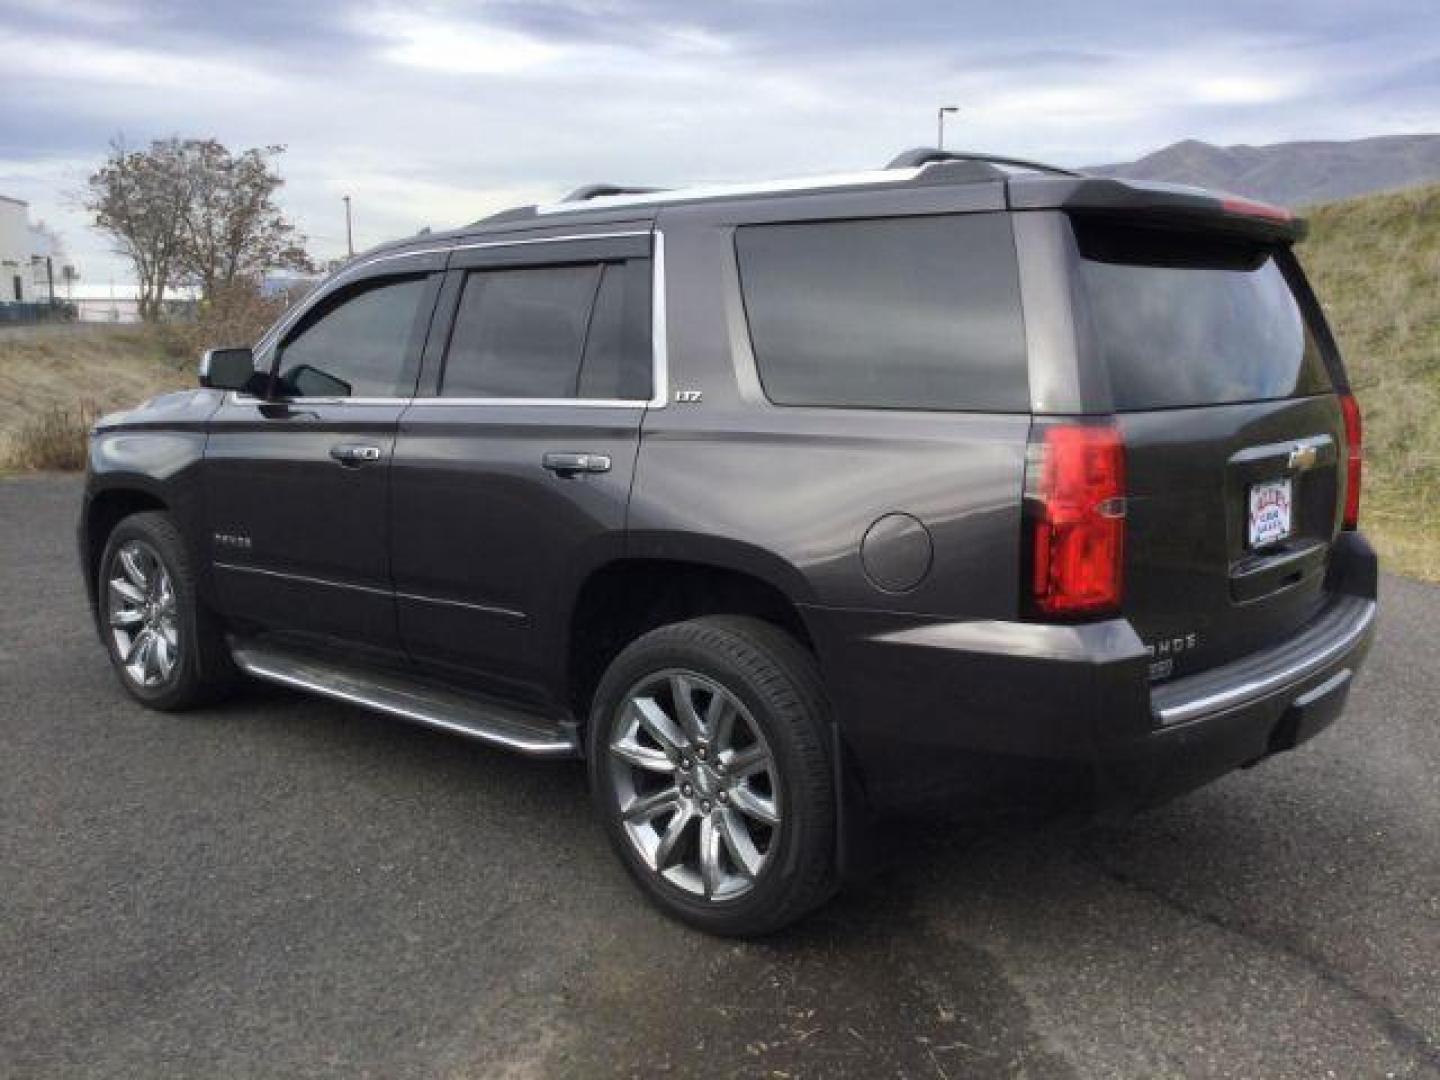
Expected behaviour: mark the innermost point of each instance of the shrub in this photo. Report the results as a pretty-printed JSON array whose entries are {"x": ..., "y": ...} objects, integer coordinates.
[
  {"x": 235, "y": 314},
  {"x": 57, "y": 438}
]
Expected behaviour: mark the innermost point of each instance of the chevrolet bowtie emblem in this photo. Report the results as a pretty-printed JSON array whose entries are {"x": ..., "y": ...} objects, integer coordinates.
[{"x": 1303, "y": 457}]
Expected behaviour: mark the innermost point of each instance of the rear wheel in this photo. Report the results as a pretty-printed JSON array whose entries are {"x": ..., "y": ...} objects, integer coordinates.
[
  {"x": 167, "y": 649},
  {"x": 710, "y": 764}
]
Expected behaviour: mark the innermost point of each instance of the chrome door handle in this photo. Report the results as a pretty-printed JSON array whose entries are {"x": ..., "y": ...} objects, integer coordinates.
[
  {"x": 354, "y": 453},
  {"x": 570, "y": 464}
]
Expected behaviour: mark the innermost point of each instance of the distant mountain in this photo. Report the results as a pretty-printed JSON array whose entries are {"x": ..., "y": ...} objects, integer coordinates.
[{"x": 1293, "y": 173}]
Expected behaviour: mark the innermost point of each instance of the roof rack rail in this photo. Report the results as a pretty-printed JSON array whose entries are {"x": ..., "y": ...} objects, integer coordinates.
[
  {"x": 597, "y": 191},
  {"x": 929, "y": 155}
]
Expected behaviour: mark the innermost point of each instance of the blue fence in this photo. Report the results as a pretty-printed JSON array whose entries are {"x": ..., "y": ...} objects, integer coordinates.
[{"x": 58, "y": 311}]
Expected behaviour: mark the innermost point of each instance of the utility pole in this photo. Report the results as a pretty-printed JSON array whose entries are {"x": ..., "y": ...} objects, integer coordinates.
[
  {"x": 349, "y": 236},
  {"x": 940, "y": 124}
]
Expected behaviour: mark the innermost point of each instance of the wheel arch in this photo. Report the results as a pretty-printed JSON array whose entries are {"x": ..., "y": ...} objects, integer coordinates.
[
  {"x": 105, "y": 509},
  {"x": 625, "y": 597}
]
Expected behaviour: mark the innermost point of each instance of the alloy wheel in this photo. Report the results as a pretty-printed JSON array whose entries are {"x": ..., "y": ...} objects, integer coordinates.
[
  {"x": 142, "y": 613},
  {"x": 696, "y": 785}
]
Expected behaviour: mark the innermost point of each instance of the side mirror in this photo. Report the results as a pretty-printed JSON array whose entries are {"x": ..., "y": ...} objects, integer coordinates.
[{"x": 227, "y": 369}]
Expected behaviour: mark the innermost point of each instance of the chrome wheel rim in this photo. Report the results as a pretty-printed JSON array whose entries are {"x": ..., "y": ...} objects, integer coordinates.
[
  {"x": 696, "y": 785},
  {"x": 142, "y": 613}
]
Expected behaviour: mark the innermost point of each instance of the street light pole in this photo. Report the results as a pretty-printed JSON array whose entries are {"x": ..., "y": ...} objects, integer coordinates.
[
  {"x": 349, "y": 236},
  {"x": 940, "y": 124}
]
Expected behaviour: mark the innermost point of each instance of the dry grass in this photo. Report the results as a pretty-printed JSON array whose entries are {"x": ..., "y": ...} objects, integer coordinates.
[
  {"x": 1375, "y": 262},
  {"x": 55, "y": 379},
  {"x": 57, "y": 438},
  {"x": 58, "y": 366}
]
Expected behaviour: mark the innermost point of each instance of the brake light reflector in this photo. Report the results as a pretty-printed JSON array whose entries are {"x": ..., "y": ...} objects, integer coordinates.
[
  {"x": 1234, "y": 204},
  {"x": 1354, "y": 458},
  {"x": 1076, "y": 486}
]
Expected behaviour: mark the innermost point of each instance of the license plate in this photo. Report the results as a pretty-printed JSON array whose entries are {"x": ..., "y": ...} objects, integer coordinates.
[{"x": 1270, "y": 505}]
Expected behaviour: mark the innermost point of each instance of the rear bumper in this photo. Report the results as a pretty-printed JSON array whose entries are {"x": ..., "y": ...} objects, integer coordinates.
[
  {"x": 990, "y": 716},
  {"x": 1240, "y": 713}
]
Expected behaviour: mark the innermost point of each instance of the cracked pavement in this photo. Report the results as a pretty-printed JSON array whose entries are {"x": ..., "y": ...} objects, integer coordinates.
[{"x": 284, "y": 886}]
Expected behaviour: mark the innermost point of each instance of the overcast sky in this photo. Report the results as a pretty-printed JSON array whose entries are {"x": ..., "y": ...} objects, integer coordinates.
[{"x": 435, "y": 114}]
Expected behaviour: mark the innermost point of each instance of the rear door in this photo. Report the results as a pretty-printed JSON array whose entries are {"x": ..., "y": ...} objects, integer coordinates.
[
  {"x": 513, "y": 466},
  {"x": 1233, "y": 433},
  {"x": 297, "y": 484}
]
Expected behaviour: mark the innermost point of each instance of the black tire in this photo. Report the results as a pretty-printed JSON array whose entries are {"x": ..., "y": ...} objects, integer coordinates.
[
  {"x": 203, "y": 671},
  {"x": 777, "y": 681}
]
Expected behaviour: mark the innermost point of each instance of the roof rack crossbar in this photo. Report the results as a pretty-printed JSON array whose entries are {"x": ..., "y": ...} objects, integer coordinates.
[
  {"x": 929, "y": 155},
  {"x": 596, "y": 191}
]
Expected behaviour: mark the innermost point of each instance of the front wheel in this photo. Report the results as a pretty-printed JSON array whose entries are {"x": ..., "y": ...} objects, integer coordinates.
[
  {"x": 710, "y": 765},
  {"x": 166, "y": 647}
]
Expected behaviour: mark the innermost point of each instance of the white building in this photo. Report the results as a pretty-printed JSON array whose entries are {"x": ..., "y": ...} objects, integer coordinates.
[{"x": 24, "y": 276}]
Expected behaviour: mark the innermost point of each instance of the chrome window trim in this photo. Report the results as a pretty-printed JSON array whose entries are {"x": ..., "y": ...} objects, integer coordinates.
[
  {"x": 584, "y": 403},
  {"x": 721, "y": 191},
  {"x": 659, "y": 345},
  {"x": 238, "y": 398},
  {"x": 659, "y": 351}
]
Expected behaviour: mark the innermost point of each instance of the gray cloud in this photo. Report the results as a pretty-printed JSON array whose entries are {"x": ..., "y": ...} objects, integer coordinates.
[{"x": 435, "y": 113}]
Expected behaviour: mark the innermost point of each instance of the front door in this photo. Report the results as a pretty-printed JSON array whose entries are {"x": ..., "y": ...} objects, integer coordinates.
[
  {"x": 513, "y": 465},
  {"x": 297, "y": 483}
]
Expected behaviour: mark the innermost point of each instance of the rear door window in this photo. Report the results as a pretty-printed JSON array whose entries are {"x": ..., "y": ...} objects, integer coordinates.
[
  {"x": 1185, "y": 319},
  {"x": 895, "y": 313},
  {"x": 553, "y": 332},
  {"x": 617, "y": 364},
  {"x": 520, "y": 333}
]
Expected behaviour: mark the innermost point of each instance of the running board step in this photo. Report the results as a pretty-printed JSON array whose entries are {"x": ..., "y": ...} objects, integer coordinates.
[{"x": 409, "y": 699}]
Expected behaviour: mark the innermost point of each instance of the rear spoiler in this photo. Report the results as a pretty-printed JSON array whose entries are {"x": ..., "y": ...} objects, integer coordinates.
[{"x": 1173, "y": 205}]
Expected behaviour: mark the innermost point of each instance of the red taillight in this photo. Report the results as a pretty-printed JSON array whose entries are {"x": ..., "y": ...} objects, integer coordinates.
[
  {"x": 1076, "y": 487},
  {"x": 1354, "y": 458},
  {"x": 1234, "y": 204}
]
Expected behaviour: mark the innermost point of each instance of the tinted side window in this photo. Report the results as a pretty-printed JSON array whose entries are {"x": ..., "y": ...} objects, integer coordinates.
[
  {"x": 355, "y": 348},
  {"x": 617, "y": 352},
  {"x": 1189, "y": 319},
  {"x": 519, "y": 333},
  {"x": 900, "y": 313}
]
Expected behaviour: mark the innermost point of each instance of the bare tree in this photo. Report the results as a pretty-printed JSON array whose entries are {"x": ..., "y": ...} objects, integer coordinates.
[
  {"x": 188, "y": 210},
  {"x": 140, "y": 197},
  {"x": 232, "y": 227}
]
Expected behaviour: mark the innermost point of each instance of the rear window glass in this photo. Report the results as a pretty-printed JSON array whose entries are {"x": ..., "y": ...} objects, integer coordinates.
[
  {"x": 899, "y": 313},
  {"x": 1185, "y": 320}
]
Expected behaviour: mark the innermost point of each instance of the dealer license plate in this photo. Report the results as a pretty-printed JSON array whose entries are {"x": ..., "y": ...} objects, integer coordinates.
[{"x": 1270, "y": 512}]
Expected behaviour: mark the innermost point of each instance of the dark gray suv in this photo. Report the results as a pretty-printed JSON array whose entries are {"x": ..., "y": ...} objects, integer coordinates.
[{"x": 965, "y": 484}]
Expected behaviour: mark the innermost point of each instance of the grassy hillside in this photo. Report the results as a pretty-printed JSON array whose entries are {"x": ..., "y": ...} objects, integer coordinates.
[
  {"x": 1375, "y": 261},
  {"x": 54, "y": 379}
]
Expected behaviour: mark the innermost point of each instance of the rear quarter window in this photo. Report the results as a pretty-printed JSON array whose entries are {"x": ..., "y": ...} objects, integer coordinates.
[
  {"x": 1186, "y": 319},
  {"x": 896, "y": 313}
]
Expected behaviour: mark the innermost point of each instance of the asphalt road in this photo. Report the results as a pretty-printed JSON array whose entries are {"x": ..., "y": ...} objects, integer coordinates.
[{"x": 283, "y": 886}]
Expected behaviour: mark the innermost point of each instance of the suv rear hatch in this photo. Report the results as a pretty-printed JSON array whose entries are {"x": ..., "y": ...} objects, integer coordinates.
[{"x": 1223, "y": 382}]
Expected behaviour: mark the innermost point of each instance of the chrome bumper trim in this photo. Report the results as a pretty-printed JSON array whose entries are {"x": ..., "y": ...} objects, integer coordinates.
[{"x": 1267, "y": 681}]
